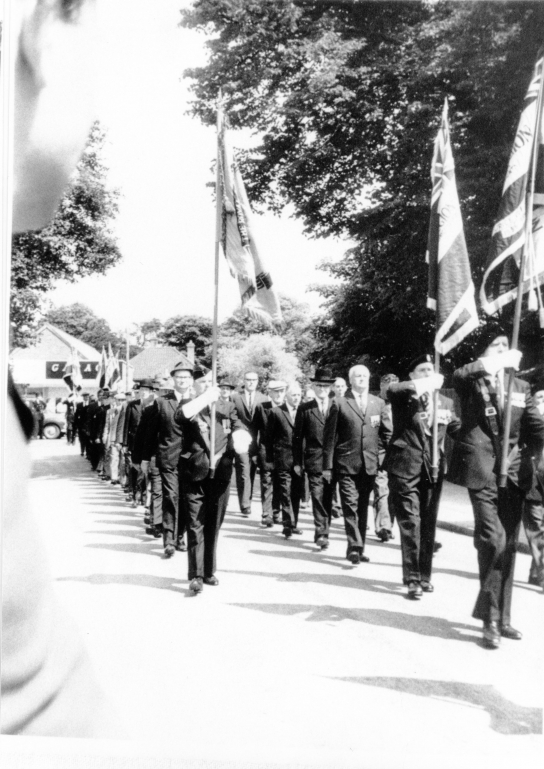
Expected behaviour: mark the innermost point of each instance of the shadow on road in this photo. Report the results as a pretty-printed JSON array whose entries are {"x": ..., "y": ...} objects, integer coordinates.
[
  {"x": 436, "y": 627},
  {"x": 135, "y": 580},
  {"x": 506, "y": 716},
  {"x": 341, "y": 580}
]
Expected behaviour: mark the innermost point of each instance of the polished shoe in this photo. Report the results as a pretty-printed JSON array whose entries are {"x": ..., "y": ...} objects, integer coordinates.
[
  {"x": 269, "y": 523},
  {"x": 364, "y": 558},
  {"x": 181, "y": 546},
  {"x": 297, "y": 531},
  {"x": 536, "y": 581},
  {"x": 437, "y": 546},
  {"x": 246, "y": 512},
  {"x": 354, "y": 557},
  {"x": 147, "y": 520},
  {"x": 384, "y": 535},
  {"x": 277, "y": 519},
  {"x": 196, "y": 585},
  {"x": 134, "y": 504},
  {"x": 169, "y": 551},
  {"x": 287, "y": 533},
  {"x": 492, "y": 637},
  {"x": 427, "y": 586},
  {"x": 336, "y": 514},
  {"x": 414, "y": 591},
  {"x": 211, "y": 580},
  {"x": 507, "y": 631},
  {"x": 321, "y": 542}
]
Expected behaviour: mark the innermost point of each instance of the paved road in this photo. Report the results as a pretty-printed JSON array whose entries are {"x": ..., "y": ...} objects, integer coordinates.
[{"x": 297, "y": 657}]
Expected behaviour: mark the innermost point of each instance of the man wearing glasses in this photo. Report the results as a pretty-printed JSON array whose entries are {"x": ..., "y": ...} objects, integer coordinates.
[{"x": 245, "y": 464}]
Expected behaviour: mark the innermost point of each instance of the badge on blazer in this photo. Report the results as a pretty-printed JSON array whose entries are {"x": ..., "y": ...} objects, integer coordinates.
[
  {"x": 490, "y": 411},
  {"x": 424, "y": 416},
  {"x": 226, "y": 426},
  {"x": 518, "y": 399},
  {"x": 375, "y": 420},
  {"x": 444, "y": 416}
]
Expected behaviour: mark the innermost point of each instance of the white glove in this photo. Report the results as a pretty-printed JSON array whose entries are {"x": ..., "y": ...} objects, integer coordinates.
[
  {"x": 428, "y": 384},
  {"x": 241, "y": 440},
  {"x": 494, "y": 363},
  {"x": 194, "y": 407},
  {"x": 145, "y": 466}
]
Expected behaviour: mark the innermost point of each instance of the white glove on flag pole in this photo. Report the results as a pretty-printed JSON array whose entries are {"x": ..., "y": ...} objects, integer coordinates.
[
  {"x": 236, "y": 238},
  {"x": 451, "y": 289}
]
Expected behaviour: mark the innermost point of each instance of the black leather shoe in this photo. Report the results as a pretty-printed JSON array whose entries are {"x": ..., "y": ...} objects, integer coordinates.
[
  {"x": 437, "y": 546},
  {"x": 384, "y": 535},
  {"x": 181, "y": 546},
  {"x": 492, "y": 638},
  {"x": 296, "y": 531},
  {"x": 269, "y": 523},
  {"x": 507, "y": 631},
  {"x": 364, "y": 558},
  {"x": 426, "y": 586},
  {"x": 246, "y": 512},
  {"x": 321, "y": 542},
  {"x": 287, "y": 533},
  {"x": 534, "y": 580},
  {"x": 354, "y": 557},
  {"x": 211, "y": 580},
  {"x": 414, "y": 591},
  {"x": 196, "y": 585},
  {"x": 169, "y": 551}
]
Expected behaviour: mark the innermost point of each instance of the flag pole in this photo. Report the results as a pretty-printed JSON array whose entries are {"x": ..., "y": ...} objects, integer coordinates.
[
  {"x": 519, "y": 298},
  {"x": 434, "y": 454},
  {"x": 218, "y": 232}
]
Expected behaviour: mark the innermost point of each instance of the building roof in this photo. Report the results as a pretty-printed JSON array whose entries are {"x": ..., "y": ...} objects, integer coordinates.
[
  {"x": 156, "y": 362},
  {"x": 53, "y": 343}
]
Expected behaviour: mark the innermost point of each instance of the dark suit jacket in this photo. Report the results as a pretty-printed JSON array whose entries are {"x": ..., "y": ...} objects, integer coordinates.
[
  {"x": 132, "y": 419},
  {"x": 352, "y": 441},
  {"x": 142, "y": 437},
  {"x": 247, "y": 417},
  {"x": 308, "y": 438},
  {"x": 410, "y": 448},
  {"x": 279, "y": 438},
  {"x": 195, "y": 457},
  {"x": 80, "y": 417},
  {"x": 476, "y": 453},
  {"x": 163, "y": 437},
  {"x": 262, "y": 413}
]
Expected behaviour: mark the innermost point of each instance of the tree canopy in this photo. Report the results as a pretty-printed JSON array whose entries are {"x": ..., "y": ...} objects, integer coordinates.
[
  {"x": 264, "y": 353},
  {"x": 180, "y": 329},
  {"x": 78, "y": 242},
  {"x": 346, "y": 97},
  {"x": 80, "y": 321}
]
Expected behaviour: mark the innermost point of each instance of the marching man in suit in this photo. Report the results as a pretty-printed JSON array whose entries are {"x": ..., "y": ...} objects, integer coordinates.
[
  {"x": 164, "y": 442},
  {"x": 270, "y": 490},
  {"x": 475, "y": 464},
  {"x": 533, "y": 509},
  {"x": 279, "y": 448},
  {"x": 413, "y": 496},
  {"x": 357, "y": 428},
  {"x": 308, "y": 453},
  {"x": 205, "y": 496},
  {"x": 246, "y": 464}
]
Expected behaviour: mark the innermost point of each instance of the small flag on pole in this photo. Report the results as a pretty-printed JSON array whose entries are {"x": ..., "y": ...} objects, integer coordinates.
[
  {"x": 236, "y": 237},
  {"x": 101, "y": 373},
  {"x": 114, "y": 368},
  {"x": 72, "y": 371},
  {"x": 517, "y": 227},
  {"x": 451, "y": 289}
]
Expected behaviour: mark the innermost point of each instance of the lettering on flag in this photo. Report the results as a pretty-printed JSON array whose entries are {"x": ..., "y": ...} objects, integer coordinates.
[{"x": 235, "y": 234}]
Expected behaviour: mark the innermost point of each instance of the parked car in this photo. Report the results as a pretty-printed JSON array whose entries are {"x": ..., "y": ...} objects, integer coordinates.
[{"x": 54, "y": 425}]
